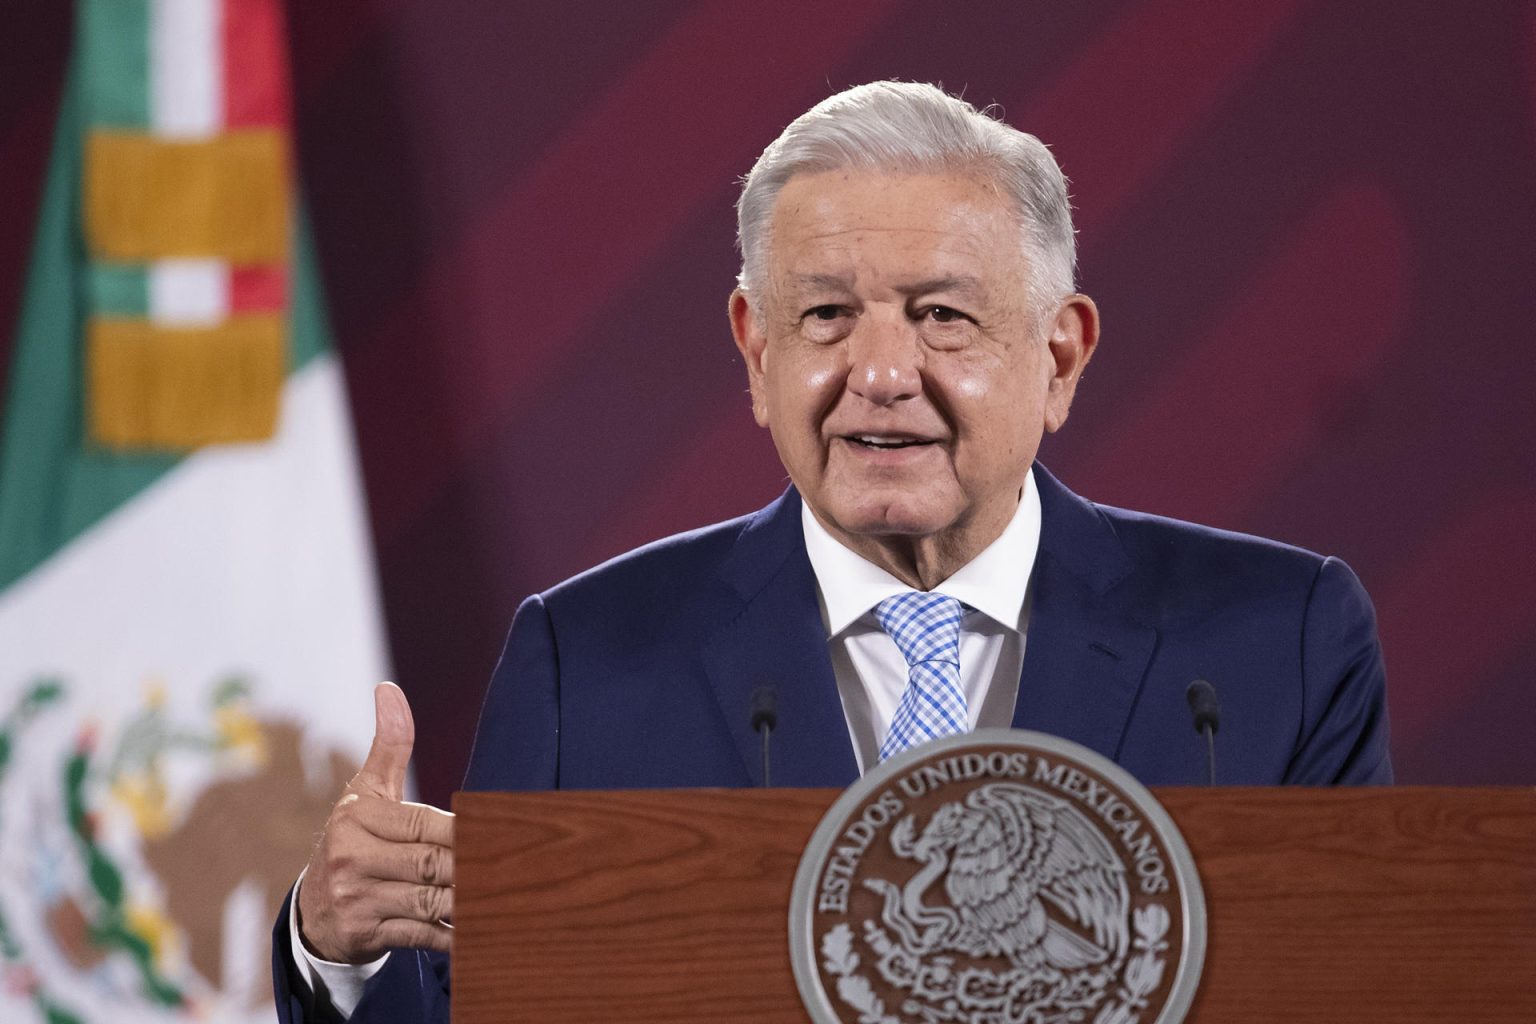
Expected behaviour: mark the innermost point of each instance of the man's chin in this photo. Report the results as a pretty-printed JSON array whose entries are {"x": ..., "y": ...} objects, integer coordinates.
[{"x": 875, "y": 519}]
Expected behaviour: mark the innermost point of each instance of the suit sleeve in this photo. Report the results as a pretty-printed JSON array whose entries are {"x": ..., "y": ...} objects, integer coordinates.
[
  {"x": 412, "y": 986},
  {"x": 295, "y": 1001},
  {"x": 517, "y": 743},
  {"x": 1344, "y": 734}
]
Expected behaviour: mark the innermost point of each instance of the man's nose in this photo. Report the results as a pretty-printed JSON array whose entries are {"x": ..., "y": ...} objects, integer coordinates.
[{"x": 885, "y": 359}]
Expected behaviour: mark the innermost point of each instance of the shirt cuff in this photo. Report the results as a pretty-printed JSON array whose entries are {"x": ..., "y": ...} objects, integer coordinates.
[{"x": 340, "y": 984}]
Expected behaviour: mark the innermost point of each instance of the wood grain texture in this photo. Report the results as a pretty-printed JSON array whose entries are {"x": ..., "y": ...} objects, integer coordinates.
[
  {"x": 1401, "y": 905},
  {"x": 1365, "y": 905}
]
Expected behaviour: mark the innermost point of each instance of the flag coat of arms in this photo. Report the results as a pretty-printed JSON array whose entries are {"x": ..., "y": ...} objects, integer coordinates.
[{"x": 189, "y": 627}]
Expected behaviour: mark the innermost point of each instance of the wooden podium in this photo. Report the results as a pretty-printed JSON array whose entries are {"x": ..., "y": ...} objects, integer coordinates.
[{"x": 1360, "y": 905}]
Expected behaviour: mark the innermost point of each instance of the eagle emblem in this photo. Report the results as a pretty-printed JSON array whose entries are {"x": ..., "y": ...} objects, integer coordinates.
[
  {"x": 1020, "y": 885},
  {"x": 1026, "y": 878},
  {"x": 997, "y": 878}
]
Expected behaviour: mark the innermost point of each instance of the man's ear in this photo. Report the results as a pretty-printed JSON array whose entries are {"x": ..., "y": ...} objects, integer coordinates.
[
  {"x": 1073, "y": 337},
  {"x": 752, "y": 343}
]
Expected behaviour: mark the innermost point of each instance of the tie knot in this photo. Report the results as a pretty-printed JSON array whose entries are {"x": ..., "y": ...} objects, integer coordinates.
[{"x": 925, "y": 626}]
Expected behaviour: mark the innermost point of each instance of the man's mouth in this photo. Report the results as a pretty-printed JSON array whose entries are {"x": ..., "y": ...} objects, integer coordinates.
[{"x": 886, "y": 442}]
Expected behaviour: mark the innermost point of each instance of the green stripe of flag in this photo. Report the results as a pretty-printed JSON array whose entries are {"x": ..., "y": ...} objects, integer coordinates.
[
  {"x": 309, "y": 330},
  {"x": 112, "y": 52},
  {"x": 52, "y": 487},
  {"x": 117, "y": 289}
]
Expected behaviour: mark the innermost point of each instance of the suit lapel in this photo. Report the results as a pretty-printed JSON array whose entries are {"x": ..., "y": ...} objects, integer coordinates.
[
  {"x": 778, "y": 640},
  {"x": 1085, "y": 653}
]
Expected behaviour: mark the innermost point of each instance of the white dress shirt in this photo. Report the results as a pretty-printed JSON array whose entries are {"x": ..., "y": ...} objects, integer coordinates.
[{"x": 870, "y": 670}]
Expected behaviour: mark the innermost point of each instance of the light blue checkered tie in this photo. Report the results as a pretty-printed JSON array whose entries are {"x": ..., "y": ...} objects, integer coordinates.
[{"x": 926, "y": 628}]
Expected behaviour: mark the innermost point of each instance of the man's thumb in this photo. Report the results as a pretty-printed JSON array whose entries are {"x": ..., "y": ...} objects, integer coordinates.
[{"x": 394, "y": 733}]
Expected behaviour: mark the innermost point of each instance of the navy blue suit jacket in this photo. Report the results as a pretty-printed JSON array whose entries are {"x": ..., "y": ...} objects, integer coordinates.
[{"x": 639, "y": 673}]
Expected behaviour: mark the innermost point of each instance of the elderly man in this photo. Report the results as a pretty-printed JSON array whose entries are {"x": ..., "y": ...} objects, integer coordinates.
[{"x": 907, "y": 317}]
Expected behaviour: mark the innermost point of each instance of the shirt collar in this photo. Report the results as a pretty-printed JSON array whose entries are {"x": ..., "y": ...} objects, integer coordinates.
[{"x": 994, "y": 582}]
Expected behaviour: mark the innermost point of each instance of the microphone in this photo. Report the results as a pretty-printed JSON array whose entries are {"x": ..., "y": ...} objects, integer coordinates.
[
  {"x": 765, "y": 718},
  {"x": 1202, "y": 701}
]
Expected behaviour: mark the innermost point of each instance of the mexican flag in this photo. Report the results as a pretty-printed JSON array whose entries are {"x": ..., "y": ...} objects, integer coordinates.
[{"x": 189, "y": 629}]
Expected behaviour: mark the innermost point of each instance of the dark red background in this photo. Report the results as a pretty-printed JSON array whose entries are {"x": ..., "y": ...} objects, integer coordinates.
[{"x": 1311, "y": 228}]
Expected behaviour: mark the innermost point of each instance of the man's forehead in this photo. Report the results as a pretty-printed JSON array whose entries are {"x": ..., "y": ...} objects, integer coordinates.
[
  {"x": 823, "y": 281},
  {"x": 918, "y": 210},
  {"x": 828, "y": 205}
]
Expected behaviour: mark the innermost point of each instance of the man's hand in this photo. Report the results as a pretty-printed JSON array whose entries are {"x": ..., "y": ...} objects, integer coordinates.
[{"x": 381, "y": 876}]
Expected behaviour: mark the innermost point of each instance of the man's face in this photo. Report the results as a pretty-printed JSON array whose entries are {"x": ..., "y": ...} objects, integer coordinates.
[{"x": 898, "y": 362}]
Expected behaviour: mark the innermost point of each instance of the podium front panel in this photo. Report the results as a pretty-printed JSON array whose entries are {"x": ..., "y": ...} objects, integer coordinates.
[{"x": 1399, "y": 904}]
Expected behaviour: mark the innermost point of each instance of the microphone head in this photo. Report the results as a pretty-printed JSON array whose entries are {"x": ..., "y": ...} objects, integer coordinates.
[
  {"x": 765, "y": 708},
  {"x": 1202, "y": 701}
]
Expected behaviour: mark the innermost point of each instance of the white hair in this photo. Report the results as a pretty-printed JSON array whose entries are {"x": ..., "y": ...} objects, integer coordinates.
[{"x": 912, "y": 127}]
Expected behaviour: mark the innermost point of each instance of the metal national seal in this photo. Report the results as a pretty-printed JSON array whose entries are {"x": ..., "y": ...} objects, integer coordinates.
[{"x": 997, "y": 877}]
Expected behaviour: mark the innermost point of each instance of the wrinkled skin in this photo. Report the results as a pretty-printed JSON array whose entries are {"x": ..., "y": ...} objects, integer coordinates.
[
  {"x": 381, "y": 876},
  {"x": 900, "y": 365}
]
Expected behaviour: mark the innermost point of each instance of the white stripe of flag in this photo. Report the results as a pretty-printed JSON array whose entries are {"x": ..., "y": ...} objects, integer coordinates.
[
  {"x": 186, "y": 67},
  {"x": 188, "y": 292}
]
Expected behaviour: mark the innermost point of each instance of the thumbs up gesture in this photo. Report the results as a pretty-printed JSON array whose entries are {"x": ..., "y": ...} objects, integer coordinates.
[{"x": 381, "y": 876}]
